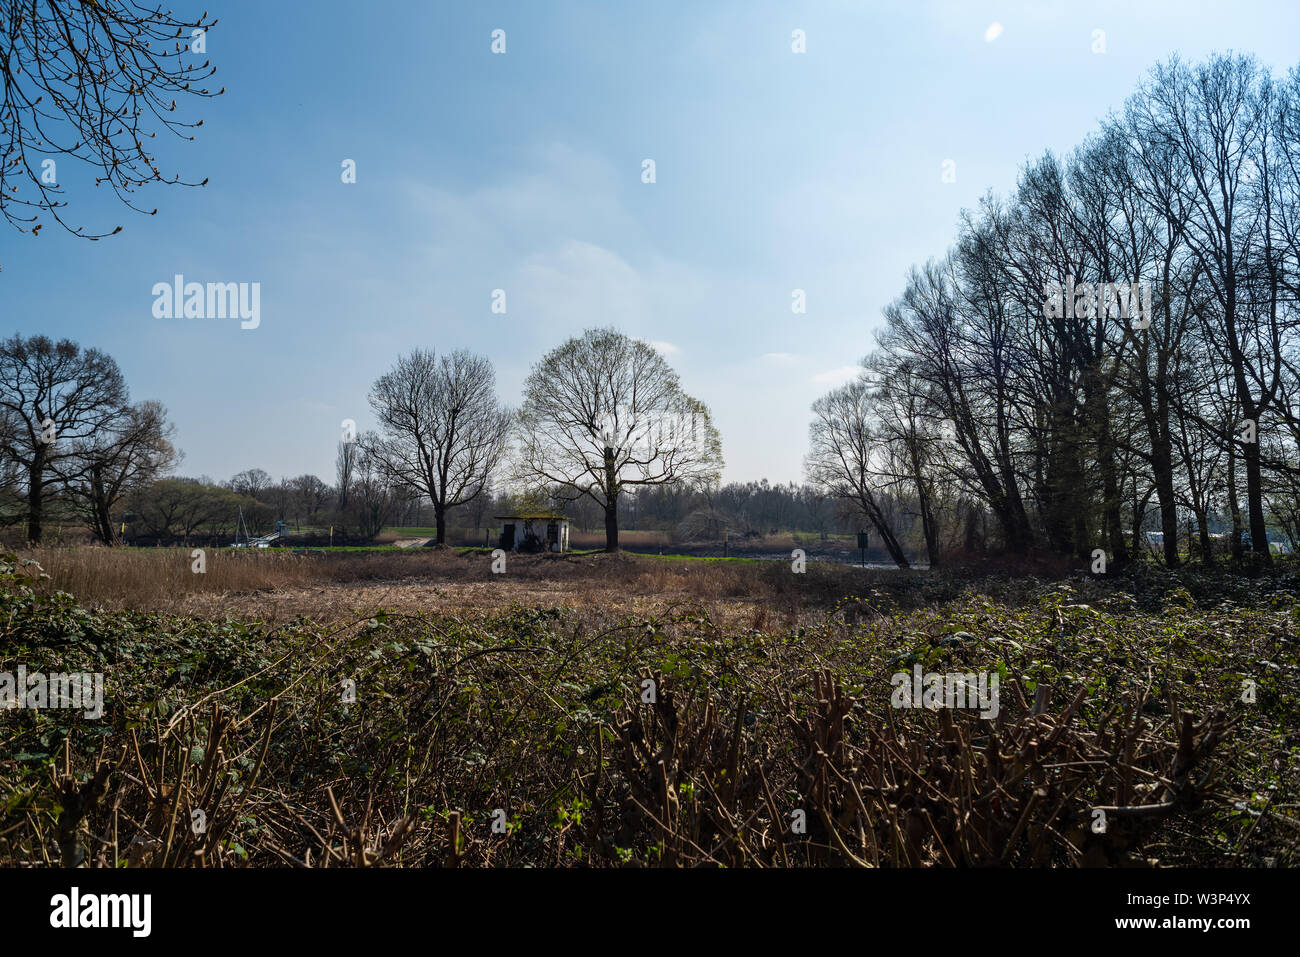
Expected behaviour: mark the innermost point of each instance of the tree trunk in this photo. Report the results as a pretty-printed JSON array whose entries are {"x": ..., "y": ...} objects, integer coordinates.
[
  {"x": 1113, "y": 518},
  {"x": 611, "y": 526},
  {"x": 1207, "y": 546},
  {"x": 35, "y": 475},
  {"x": 925, "y": 506},
  {"x": 1169, "y": 529},
  {"x": 102, "y": 510},
  {"x": 104, "y": 521},
  {"x": 928, "y": 527},
  {"x": 1233, "y": 504},
  {"x": 872, "y": 512},
  {"x": 611, "y": 502},
  {"x": 440, "y": 520},
  {"x": 972, "y": 529},
  {"x": 1255, "y": 502}
]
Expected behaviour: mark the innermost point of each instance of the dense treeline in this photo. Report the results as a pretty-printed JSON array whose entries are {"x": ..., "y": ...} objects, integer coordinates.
[
  {"x": 1113, "y": 345},
  {"x": 193, "y": 510}
]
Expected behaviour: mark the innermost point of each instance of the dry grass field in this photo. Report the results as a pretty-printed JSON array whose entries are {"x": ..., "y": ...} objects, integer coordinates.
[{"x": 325, "y": 587}]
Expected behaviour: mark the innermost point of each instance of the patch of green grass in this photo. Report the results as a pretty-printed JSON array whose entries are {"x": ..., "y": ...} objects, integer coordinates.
[
  {"x": 704, "y": 558},
  {"x": 413, "y": 531}
]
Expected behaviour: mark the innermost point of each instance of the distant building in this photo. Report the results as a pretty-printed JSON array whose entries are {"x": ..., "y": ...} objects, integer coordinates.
[{"x": 534, "y": 532}]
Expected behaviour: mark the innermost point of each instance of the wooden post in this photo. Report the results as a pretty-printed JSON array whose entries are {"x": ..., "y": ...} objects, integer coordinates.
[{"x": 453, "y": 839}]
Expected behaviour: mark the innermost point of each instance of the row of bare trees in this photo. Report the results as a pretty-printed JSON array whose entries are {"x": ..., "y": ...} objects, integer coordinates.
[
  {"x": 1067, "y": 415},
  {"x": 603, "y": 414},
  {"x": 68, "y": 429}
]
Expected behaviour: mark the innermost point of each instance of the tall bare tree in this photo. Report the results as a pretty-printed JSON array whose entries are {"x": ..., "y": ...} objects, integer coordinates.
[
  {"x": 1207, "y": 131},
  {"x": 846, "y": 458},
  {"x": 56, "y": 400},
  {"x": 252, "y": 482},
  {"x": 442, "y": 431},
  {"x": 604, "y": 413},
  {"x": 1069, "y": 412},
  {"x": 345, "y": 465},
  {"x": 904, "y": 424}
]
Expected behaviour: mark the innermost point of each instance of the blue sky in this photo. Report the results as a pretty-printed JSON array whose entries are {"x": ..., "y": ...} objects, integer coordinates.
[{"x": 819, "y": 171}]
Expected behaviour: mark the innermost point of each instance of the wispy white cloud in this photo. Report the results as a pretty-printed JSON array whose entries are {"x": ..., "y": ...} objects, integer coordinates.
[{"x": 837, "y": 376}]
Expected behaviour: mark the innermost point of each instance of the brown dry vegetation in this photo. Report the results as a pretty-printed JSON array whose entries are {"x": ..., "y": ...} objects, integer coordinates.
[
  {"x": 326, "y": 587},
  {"x": 522, "y": 697}
]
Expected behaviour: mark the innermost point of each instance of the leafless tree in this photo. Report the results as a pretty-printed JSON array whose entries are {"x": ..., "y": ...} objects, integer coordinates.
[
  {"x": 376, "y": 498},
  {"x": 345, "y": 464},
  {"x": 252, "y": 482},
  {"x": 846, "y": 456},
  {"x": 905, "y": 426},
  {"x": 442, "y": 430},
  {"x": 311, "y": 495},
  {"x": 56, "y": 400},
  {"x": 1065, "y": 415},
  {"x": 604, "y": 413},
  {"x": 130, "y": 452},
  {"x": 93, "y": 81},
  {"x": 1209, "y": 152}
]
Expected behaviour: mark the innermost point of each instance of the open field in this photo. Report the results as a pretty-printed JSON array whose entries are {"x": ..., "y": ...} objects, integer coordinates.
[
  {"x": 522, "y": 699},
  {"x": 327, "y": 586},
  {"x": 332, "y": 584}
]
